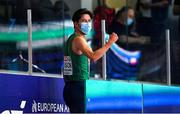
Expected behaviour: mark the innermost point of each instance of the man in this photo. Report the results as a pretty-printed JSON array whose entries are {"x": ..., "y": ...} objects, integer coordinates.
[
  {"x": 77, "y": 53},
  {"x": 124, "y": 27},
  {"x": 124, "y": 18}
]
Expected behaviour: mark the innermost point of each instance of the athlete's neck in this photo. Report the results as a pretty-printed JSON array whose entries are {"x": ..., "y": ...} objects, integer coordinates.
[{"x": 80, "y": 33}]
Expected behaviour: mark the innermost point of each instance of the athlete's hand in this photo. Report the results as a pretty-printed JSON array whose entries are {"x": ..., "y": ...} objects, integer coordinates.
[{"x": 113, "y": 38}]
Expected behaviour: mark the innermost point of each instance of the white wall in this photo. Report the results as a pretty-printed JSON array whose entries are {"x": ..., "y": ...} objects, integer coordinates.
[{"x": 87, "y": 4}]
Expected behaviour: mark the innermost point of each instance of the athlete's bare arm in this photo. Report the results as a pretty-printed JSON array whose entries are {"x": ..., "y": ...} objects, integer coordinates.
[{"x": 80, "y": 46}]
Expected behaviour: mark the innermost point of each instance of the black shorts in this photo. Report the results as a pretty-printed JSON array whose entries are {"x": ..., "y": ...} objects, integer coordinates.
[{"x": 74, "y": 96}]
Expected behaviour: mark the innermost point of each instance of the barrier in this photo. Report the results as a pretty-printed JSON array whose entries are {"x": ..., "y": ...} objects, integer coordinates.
[
  {"x": 38, "y": 94},
  {"x": 22, "y": 94}
]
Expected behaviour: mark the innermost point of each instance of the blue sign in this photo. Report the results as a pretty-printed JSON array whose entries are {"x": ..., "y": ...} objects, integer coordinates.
[
  {"x": 31, "y": 94},
  {"x": 161, "y": 99},
  {"x": 125, "y": 97},
  {"x": 113, "y": 97},
  {"x": 20, "y": 94}
]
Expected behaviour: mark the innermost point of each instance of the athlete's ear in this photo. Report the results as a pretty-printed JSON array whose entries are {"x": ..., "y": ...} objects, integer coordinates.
[{"x": 76, "y": 24}]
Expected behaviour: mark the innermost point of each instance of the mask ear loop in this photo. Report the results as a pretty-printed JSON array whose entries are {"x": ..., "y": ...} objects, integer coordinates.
[{"x": 77, "y": 25}]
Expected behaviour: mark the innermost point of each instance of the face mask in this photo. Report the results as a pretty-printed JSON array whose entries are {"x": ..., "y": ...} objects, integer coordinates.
[
  {"x": 129, "y": 21},
  {"x": 86, "y": 27}
]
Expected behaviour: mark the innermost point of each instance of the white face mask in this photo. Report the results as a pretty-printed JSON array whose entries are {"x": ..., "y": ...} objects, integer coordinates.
[{"x": 86, "y": 27}]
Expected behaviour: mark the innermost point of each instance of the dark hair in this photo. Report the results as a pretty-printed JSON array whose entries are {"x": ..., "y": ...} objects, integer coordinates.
[
  {"x": 77, "y": 15},
  {"x": 123, "y": 9}
]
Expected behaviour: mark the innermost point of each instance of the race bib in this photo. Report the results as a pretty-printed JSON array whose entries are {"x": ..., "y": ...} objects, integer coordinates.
[{"x": 68, "y": 70}]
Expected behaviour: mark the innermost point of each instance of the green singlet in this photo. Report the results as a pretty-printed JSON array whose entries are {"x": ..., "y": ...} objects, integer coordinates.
[{"x": 75, "y": 66}]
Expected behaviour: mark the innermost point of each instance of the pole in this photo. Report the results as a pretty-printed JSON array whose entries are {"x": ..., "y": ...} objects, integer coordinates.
[
  {"x": 103, "y": 30},
  {"x": 168, "y": 58},
  {"x": 29, "y": 19}
]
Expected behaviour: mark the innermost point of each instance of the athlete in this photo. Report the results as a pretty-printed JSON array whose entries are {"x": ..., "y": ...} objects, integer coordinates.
[{"x": 76, "y": 60}]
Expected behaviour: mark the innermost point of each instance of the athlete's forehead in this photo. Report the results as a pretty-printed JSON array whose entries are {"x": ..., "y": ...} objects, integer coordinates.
[{"x": 85, "y": 18}]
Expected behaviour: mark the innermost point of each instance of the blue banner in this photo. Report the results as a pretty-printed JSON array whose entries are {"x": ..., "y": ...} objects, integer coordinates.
[
  {"x": 20, "y": 94},
  {"x": 31, "y": 94},
  {"x": 113, "y": 97}
]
